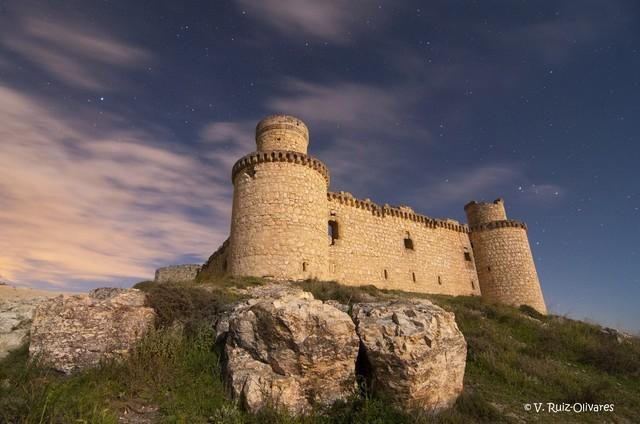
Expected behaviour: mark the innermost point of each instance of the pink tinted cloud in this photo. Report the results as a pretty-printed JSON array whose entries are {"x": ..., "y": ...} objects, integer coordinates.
[{"x": 76, "y": 206}]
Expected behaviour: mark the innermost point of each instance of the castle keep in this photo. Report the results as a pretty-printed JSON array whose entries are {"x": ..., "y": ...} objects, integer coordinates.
[{"x": 286, "y": 224}]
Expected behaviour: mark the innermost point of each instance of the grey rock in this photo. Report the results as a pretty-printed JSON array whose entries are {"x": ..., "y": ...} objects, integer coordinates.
[
  {"x": 414, "y": 352},
  {"x": 104, "y": 293},
  {"x": 71, "y": 333},
  {"x": 337, "y": 305},
  {"x": 290, "y": 351},
  {"x": 15, "y": 321}
]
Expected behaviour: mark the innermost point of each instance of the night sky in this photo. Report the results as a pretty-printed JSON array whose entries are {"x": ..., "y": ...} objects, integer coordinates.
[{"x": 120, "y": 121}]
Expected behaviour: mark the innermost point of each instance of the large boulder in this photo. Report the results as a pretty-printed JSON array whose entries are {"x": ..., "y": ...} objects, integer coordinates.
[
  {"x": 413, "y": 353},
  {"x": 15, "y": 321},
  {"x": 287, "y": 350},
  {"x": 70, "y": 333}
]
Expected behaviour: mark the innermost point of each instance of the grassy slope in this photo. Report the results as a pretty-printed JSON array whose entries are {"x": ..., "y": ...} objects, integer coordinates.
[{"x": 515, "y": 357}]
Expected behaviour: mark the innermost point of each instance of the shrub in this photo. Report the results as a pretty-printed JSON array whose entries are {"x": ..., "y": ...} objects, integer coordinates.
[{"x": 330, "y": 290}]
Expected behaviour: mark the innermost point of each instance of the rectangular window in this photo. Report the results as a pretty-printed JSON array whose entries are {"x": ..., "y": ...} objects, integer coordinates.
[
  {"x": 408, "y": 244},
  {"x": 333, "y": 232},
  {"x": 467, "y": 256}
]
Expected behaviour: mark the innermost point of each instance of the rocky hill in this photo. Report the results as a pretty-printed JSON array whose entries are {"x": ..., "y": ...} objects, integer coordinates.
[{"x": 221, "y": 352}]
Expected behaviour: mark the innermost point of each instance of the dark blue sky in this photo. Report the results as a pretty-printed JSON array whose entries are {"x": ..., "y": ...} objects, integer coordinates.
[{"x": 120, "y": 121}]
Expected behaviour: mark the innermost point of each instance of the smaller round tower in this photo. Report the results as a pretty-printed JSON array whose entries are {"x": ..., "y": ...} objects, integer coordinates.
[
  {"x": 506, "y": 271},
  {"x": 282, "y": 132}
]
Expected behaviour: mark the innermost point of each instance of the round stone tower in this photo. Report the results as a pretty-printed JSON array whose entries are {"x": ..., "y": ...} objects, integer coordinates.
[
  {"x": 506, "y": 271},
  {"x": 279, "y": 216}
]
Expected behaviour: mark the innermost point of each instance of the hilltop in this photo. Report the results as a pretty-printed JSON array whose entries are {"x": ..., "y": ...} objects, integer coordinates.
[
  {"x": 515, "y": 357},
  {"x": 8, "y": 291}
]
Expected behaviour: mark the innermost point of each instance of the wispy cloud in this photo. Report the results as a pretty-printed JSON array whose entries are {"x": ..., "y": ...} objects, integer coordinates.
[
  {"x": 226, "y": 142},
  {"x": 347, "y": 106},
  {"x": 76, "y": 57},
  {"x": 334, "y": 20},
  {"x": 541, "y": 193},
  {"x": 556, "y": 38},
  {"x": 362, "y": 126},
  {"x": 484, "y": 183},
  {"x": 81, "y": 207},
  {"x": 85, "y": 204},
  {"x": 467, "y": 185}
]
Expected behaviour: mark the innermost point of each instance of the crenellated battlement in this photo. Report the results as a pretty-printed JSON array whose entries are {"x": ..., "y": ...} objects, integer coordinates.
[
  {"x": 505, "y": 223},
  {"x": 280, "y": 156},
  {"x": 403, "y": 212}
]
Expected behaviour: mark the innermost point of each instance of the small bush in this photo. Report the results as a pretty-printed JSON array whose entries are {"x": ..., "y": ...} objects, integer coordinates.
[
  {"x": 330, "y": 290},
  {"x": 144, "y": 285},
  {"x": 227, "y": 281},
  {"x": 532, "y": 312}
]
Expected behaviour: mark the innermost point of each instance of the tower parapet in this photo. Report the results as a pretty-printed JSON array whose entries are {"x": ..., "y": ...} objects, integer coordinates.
[
  {"x": 482, "y": 213},
  {"x": 282, "y": 132},
  {"x": 506, "y": 271}
]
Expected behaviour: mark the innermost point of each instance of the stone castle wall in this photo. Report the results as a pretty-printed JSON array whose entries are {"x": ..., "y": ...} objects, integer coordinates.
[
  {"x": 177, "y": 273},
  {"x": 371, "y": 249},
  {"x": 217, "y": 264}
]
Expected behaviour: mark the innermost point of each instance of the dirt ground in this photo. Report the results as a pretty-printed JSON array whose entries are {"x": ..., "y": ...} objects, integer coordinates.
[{"x": 11, "y": 292}]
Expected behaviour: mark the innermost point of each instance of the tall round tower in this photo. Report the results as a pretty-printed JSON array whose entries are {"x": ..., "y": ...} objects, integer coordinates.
[
  {"x": 506, "y": 271},
  {"x": 279, "y": 216}
]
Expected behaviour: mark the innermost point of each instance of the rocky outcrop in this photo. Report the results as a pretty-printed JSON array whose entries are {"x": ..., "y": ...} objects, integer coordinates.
[
  {"x": 412, "y": 353},
  {"x": 15, "y": 321},
  {"x": 76, "y": 332},
  {"x": 287, "y": 350}
]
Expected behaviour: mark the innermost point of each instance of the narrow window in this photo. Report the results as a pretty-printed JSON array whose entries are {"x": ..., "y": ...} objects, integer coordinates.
[
  {"x": 334, "y": 233},
  {"x": 467, "y": 256},
  {"x": 489, "y": 268},
  {"x": 386, "y": 275},
  {"x": 413, "y": 275},
  {"x": 439, "y": 280},
  {"x": 224, "y": 265},
  {"x": 304, "y": 266},
  {"x": 408, "y": 243},
  {"x": 473, "y": 285}
]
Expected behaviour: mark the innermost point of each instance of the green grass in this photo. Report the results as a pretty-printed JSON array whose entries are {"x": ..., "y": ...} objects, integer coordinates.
[{"x": 515, "y": 356}]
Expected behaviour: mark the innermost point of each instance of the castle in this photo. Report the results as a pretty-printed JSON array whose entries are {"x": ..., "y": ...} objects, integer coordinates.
[{"x": 286, "y": 224}]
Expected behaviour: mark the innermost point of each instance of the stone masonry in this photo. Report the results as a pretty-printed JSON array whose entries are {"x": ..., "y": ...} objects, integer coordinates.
[
  {"x": 286, "y": 224},
  {"x": 177, "y": 273}
]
